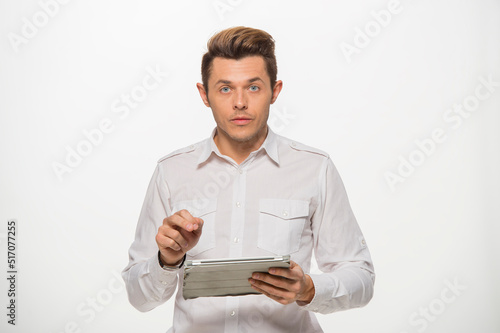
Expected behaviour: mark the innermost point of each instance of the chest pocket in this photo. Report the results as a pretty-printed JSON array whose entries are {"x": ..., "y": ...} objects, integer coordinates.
[
  {"x": 281, "y": 223},
  {"x": 204, "y": 209}
]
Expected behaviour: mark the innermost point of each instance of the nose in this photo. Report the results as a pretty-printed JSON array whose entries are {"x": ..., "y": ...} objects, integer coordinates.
[{"x": 240, "y": 101}]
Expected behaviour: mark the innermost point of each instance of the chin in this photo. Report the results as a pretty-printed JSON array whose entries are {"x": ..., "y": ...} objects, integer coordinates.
[
  {"x": 243, "y": 133},
  {"x": 242, "y": 138}
]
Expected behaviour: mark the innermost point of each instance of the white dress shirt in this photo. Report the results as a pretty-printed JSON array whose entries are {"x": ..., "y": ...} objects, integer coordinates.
[{"x": 285, "y": 198}]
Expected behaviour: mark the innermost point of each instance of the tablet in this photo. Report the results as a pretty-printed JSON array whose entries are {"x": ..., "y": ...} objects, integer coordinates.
[{"x": 226, "y": 277}]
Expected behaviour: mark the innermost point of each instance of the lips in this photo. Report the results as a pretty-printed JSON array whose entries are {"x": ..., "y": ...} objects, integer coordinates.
[{"x": 241, "y": 120}]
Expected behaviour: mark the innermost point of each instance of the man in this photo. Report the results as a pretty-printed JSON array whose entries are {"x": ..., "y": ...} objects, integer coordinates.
[{"x": 247, "y": 192}]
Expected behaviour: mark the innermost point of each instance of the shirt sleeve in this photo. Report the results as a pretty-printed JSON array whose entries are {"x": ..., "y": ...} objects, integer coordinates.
[
  {"x": 148, "y": 284},
  {"x": 341, "y": 252}
]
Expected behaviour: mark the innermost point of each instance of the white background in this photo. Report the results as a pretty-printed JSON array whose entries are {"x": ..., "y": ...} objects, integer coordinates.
[{"x": 438, "y": 227}]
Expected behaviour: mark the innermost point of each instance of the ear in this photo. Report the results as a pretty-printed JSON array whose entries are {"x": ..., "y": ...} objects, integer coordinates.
[
  {"x": 276, "y": 90},
  {"x": 203, "y": 94}
]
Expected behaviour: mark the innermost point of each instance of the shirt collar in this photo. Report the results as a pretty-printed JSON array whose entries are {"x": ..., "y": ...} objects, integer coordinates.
[{"x": 270, "y": 145}]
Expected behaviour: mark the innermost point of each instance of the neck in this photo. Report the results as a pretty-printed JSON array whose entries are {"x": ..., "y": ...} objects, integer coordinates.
[{"x": 238, "y": 150}]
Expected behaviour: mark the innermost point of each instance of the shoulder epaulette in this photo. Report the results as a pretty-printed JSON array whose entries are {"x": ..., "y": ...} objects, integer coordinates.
[
  {"x": 302, "y": 147},
  {"x": 184, "y": 150}
]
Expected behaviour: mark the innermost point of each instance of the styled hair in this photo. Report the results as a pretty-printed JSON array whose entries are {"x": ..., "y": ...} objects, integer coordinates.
[{"x": 237, "y": 43}]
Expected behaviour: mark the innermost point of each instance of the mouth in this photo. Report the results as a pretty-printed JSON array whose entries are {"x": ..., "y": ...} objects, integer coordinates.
[{"x": 241, "y": 120}]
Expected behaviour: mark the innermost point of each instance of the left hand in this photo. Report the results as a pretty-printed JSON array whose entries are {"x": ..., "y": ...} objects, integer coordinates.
[{"x": 285, "y": 285}]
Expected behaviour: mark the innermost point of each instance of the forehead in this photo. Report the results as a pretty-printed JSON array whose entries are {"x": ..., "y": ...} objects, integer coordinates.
[{"x": 239, "y": 70}]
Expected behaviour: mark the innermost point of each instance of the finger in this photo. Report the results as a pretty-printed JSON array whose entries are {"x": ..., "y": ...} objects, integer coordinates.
[
  {"x": 194, "y": 235},
  {"x": 176, "y": 236},
  {"x": 280, "y": 300},
  {"x": 275, "y": 293},
  {"x": 294, "y": 272},
  {"x": 181, "y": 219},
  {"x": 278, "y": 281},
  {"x": 275, "y": 281},
  {"x": 191, "y": 224},
  {"x": 165, "y": 242},
  {"x": 284, "y": 273},
  {"x": 199, "y": 222},
  {"x": 266, "y": 293}
]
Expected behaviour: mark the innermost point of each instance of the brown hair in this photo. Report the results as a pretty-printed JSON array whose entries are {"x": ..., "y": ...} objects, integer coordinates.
[{"x": 237, "y": 43}]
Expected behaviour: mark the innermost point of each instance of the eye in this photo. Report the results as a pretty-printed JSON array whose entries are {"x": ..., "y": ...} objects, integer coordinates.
[
  {"x": 254, "y": 88},
  {"x": 225, "y": 89}
]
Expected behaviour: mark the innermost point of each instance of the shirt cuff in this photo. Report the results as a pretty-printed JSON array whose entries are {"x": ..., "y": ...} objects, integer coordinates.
[
  {"x": 329, "y": 294},
  {"x": 338, "y": 291},
  {"x": 319, "y": 292},
  {"x": 171, "y": 268},
  {"x": 162, "y": 278}
]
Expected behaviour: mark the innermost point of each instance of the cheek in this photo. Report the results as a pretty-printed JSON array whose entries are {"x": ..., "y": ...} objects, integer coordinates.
[
  {"x": 216, "y": 114},
  {"x": 263, "y": 108},
  {"x": 220, "y": 112},
  {"x": 221, "y": 103}
]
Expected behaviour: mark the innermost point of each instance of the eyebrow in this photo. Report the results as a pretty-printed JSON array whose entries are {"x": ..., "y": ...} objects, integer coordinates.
[{"x": 249, "y": 80}]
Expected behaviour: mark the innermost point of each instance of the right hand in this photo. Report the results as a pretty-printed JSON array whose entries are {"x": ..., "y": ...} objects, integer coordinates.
[{"x": 179, "y": 233}]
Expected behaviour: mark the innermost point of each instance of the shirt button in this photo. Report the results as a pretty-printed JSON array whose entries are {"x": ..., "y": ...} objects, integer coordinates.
[
  {"x": 238, "y": 204},
  {"x": 240, "y": 171},
  {"x": 236, "y": 239},
  {"x": 285, "y": 213},
  {"x": 294, "y": 144},
  {"x": 191, "y": 147},
  {"x": 163, "y": 282},
  {"x": 233, "y": 313}
]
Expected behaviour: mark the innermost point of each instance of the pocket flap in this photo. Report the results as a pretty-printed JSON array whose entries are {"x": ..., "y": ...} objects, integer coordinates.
[{"x": 283, "y": 208}]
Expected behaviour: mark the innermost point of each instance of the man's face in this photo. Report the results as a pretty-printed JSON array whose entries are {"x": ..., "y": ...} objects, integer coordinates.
[{"x": 239, "y": 94}]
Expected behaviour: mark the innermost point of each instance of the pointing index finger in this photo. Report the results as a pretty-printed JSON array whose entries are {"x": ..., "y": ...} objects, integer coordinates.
[
  {"x": 189, "y": 222},
  {"x": 198, "y": 226}
]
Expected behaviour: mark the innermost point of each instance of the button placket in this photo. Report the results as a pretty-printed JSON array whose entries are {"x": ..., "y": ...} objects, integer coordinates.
[
  {"x": 238, "y": 213},
  {"x": 231, "y": 322}
]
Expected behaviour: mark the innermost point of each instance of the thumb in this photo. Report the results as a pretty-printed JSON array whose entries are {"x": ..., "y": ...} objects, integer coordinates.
[
  {"x": 294, "y": 266},
  {"x": 200, "y": 226}
]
